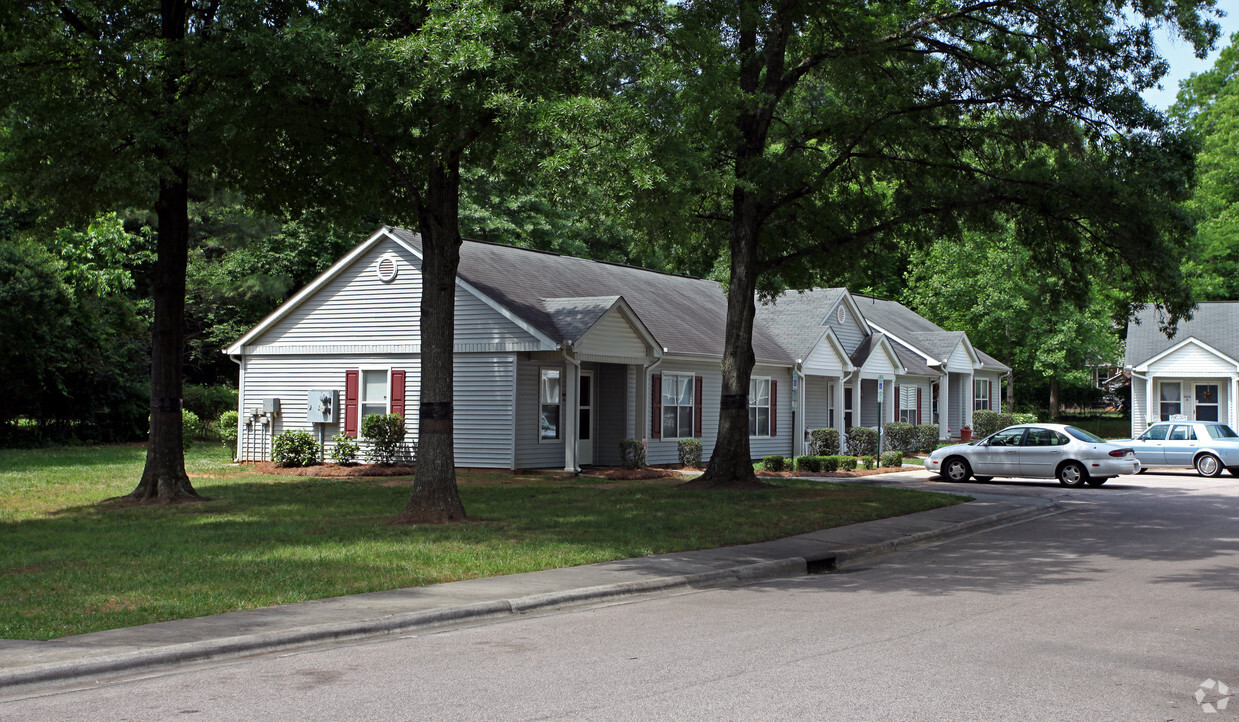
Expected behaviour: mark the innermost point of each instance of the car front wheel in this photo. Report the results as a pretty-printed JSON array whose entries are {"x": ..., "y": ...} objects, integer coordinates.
[
  {"x": 1208, "y": 465},
  {"x": 1072, "y": 474},
  {"x": 956, "y": 469}
]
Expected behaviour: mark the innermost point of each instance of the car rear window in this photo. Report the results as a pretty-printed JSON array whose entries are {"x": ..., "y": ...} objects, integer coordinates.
[
  {"x": 1083, "y": 435},
  {"x": 1221, "y": 431}
]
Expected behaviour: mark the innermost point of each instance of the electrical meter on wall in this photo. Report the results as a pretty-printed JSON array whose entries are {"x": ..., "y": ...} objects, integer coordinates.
[{"x": 321, "y": 406}]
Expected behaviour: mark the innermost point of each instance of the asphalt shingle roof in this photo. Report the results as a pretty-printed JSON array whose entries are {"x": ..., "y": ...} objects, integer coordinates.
[
  {"x": 919, "y": 331},
  {"x": 687, "y": 315},
  {"x": 1215, "y": 323},
  {"x": 795, "y": 318}
]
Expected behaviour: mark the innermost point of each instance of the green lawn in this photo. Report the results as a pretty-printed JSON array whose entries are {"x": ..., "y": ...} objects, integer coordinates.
[{"x": 70, "y": 565}]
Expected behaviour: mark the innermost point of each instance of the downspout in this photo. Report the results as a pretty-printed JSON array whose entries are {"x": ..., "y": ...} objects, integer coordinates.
[
  {"x": 644, "y": 405},
  {"x": 236, "y": 456}
]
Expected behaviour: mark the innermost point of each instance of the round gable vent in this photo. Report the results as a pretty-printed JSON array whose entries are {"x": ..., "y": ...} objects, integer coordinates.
[
  {"x": 842, "y": 315},
  {"x": 386, "y": 268}
]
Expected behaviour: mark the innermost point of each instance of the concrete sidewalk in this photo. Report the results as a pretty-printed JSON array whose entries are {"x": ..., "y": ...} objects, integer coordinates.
[{"x": 88, "y": 657}]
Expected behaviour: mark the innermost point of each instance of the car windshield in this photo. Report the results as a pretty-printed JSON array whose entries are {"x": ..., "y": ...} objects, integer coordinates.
[
  {"x": 1083, "y": 435},
  {"x": 1220, "y": 431}
]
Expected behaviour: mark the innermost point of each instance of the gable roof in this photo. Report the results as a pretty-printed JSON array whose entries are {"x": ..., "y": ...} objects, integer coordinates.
[
  {"x": 918, "y": 332},
  {"x": 687, "y": 315},
  {"x": 1214, "y": 323},
  {"x": 796, "y": 319}
]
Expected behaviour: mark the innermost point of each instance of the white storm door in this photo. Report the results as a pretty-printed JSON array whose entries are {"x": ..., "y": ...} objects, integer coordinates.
[{"x": 585, "y": 425}]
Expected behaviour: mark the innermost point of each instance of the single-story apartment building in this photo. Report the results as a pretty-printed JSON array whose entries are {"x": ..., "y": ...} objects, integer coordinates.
[
  {"x": 1192, "y": 375},
  {"x": 559, "y": 358}
]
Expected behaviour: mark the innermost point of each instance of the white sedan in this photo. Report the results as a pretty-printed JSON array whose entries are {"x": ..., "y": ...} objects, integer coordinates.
[{"x": 1049, "y": 451}]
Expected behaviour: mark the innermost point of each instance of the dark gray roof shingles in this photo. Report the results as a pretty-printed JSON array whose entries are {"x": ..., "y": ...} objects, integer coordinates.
[{"x": 1215, "y": 323}]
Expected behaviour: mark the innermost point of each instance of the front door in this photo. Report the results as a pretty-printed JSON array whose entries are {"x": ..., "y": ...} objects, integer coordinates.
[
  {"x": 1206, "y": 402},
  {"x": 585, "y": 425}
]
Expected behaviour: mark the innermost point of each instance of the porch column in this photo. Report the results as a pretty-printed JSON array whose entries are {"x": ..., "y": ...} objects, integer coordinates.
[
  {"x": 968, "y": 400},
  {"x": 799, "y": 396},
  {"x": 944, "y": 406},
  {"x": 837, "y": 390},
  {"x": 1151, "y": 411},
  {"x": 571, "y": 407},
  {"x": 1230, "y": 407}
]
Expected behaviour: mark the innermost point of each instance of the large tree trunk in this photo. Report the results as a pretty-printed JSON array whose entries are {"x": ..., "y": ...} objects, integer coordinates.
[
  {"x": 435, "y": 497},
  {"x": 731, "y": 463},
  {"x": 164, "y": 479},
  {"x": 1053, "y": 399}
]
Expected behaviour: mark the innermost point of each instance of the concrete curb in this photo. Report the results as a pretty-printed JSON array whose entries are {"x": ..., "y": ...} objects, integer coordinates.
[
  {"x": 850, "y": 556},
  {"x": 141, "y": 660}
]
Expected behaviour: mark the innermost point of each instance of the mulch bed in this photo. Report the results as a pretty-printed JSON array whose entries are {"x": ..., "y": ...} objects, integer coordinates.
[
  {"x": 834, "y": 474},
  {"x": 267, "y": 467}
]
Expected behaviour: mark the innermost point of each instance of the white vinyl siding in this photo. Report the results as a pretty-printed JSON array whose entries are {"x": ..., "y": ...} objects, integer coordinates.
[
  {"x": 1191, "y": 361},
  {"x": 818, "y": 397},
  {"x": 850, "y": 333},
  {"x": 612, "y": 335},
  {"x": 665, "y": 451},
  {"x": 959, "y": 359},
  {"x": 1138, "y": 406},
  {"x": 357, "y": 308},
  {"x": 531, "y": 451},
  {"x": 482, "y": 404}
]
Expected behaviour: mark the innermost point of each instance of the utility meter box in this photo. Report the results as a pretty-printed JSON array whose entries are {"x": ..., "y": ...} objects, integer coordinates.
[
  {"x": 271, "y": 406},
  {"x": 321, "y": 405}
]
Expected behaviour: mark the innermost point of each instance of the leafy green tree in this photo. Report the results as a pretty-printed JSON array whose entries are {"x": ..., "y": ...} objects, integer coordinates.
[
  {"x": 388, "y": 108},
  {"x": 804, "y": 131},
  {"x": 1208, "y": 104},
  {"x": 74, "y": 339},
  {"x": 990, "y": 287},
  {"x": 116, "y": 105}
]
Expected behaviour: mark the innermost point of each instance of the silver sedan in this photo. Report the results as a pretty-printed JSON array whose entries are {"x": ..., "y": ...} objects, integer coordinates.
[
  {"x": 1206, "y": 445},
  {"x": 1049, "y": 451}
]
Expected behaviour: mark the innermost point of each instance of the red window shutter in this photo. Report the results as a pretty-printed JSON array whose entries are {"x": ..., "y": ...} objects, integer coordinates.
[
  {"x": 898, "y": 401},
  {"x": 990, "y": 394},
  {"x": 918, "y": 405},
  {"x": 697, "y": 384},
  {"x": 352, "y": 383},
  {"x": 774, "y": 407},
  {"x": 656, "y": 404},
  {"x": 397, "y": 392}
]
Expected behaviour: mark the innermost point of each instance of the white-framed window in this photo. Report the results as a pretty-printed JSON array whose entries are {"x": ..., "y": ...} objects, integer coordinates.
[
  {"x": 374, "y": 392},
  {"x": 980, "y": 396},
  {"x": 549, "y": 393},
  {"x": 1171, "y": 400},
  {"x": 759, "y": 407},
  {"x": 907, "y": 404},
  {"x": 677, "y": 403}
]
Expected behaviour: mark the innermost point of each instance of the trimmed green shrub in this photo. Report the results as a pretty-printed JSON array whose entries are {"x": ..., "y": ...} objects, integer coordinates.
[
  {"x": 900, "y": 436},
  {"x": 891, "y": 458},
  {"x": 295, "y": 447},
  {"x": 824, "y": 442},
  {"x": 1024, "y": 418},
  {"x": 862, "y": 441},
  {"x": 385, "y": 432},
  {"x": 346, "y": 449},
  {"x": 846, "y": 463},
  {"x": 926, "y": 438},
  {"x": 869, "y": 461},
  {"x": 227, "y": 426},
  {"x": 632, "y": 453},
  {"x": 808, "y": 463},
  {"x": 690, "y": 452},
  {"x": 773, "y": 463},
  {"x": 985, "y": 423},
  {"x": 829, "y": 463}
]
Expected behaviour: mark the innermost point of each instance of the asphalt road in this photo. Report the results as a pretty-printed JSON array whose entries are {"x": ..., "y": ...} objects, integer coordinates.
[{"x": 1117, "y": 609}]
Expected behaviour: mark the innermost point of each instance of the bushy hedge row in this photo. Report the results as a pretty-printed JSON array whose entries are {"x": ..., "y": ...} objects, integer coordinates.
[
  {"x": 862, "y": 441},
  {"x": 985, "y": 422},
  {"x": 632, "y": 453},
  {"x": 690, "y": 452},
  {"x": 823, "y": 442}
]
